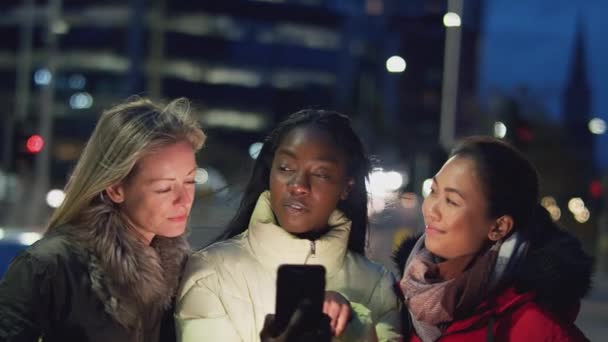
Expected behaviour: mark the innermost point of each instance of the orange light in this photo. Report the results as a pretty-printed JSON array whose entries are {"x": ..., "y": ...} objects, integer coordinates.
[{"x": 34, "y": 144}]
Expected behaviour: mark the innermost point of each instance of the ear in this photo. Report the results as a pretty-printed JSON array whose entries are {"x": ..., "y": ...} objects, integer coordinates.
[
  {"x": 347, "y": 189},
  {"x": 502, "y": 227},
  {"x": 116, "y": 193}
]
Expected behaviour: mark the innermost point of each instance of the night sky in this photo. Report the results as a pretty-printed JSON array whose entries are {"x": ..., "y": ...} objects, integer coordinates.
[{"x": 530, "y": 43}]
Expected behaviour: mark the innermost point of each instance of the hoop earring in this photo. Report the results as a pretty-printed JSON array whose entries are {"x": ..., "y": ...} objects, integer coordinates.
[{"x": 102, "y": 197}]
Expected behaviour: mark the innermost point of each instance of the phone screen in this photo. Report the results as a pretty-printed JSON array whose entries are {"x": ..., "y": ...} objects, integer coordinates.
[{"x": 295, "y": 284}]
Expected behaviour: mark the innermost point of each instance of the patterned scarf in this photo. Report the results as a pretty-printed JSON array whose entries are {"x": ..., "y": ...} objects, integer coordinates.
[{"x": 436, "y": 293}]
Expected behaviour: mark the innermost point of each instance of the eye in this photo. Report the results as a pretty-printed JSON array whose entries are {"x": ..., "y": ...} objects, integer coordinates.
[
  {"x": 163, "y": 191},
  {"x": 450, "y": 202},
  {"x": 285, "y": 168},
  {"x": 190, "y": 182},
  {"x": 321, "y": 175}
]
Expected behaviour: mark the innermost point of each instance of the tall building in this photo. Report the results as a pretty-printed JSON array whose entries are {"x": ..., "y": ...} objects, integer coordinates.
[
  {"x": 245, "y": 64},
  {"x": 577, "y": 108}
]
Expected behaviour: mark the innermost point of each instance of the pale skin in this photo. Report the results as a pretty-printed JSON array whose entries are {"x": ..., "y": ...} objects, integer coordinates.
[
  {"x": 157, "y": 198},
  {"x": 455, "y": 213}
]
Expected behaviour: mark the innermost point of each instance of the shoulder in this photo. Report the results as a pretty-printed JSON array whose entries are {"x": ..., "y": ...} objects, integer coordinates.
[
  {"x": 556, "y": 258},
  {"x": 50, "y": 252},
  {"x": 41, "y": 266},
  {"x": 364, "y": 268},
  {"x": 216, "y": 256},
  {"x": 530, "y": 321}
]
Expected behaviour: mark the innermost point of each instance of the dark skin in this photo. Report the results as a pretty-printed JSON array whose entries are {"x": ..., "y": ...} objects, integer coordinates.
[{"x": 308, "y": 178}]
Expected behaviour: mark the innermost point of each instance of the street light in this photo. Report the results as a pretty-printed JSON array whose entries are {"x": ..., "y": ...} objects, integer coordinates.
[
  {"x": 451, "y": 19},
  {"x": 597, "y": 126},
  {"x": 395, "y": 64}
]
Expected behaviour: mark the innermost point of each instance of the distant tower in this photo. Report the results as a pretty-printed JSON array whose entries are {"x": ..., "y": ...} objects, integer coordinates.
[{"x": 577, "y": 107}]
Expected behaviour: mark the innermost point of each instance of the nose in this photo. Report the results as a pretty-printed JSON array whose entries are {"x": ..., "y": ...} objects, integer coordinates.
[
  {"x": 184, "y": 196},
  {"x": 299, "y": 184},
  {"x": 431, "y": 209}
]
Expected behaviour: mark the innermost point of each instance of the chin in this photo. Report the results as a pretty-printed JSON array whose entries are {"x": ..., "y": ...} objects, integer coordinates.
[
  {"x": 431, "y": 245},
  {"x": 171, "y": 233},
  {"x": 295, "y": 230}
]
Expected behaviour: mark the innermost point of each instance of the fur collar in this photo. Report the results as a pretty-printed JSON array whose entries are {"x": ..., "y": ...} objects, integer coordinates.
[
  {"x": 556, "y": 257},
  {"x": 135, "y": 282}
]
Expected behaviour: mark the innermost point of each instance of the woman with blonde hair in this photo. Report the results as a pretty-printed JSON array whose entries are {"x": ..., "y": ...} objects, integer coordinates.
[{"x": 109, "y": 265}]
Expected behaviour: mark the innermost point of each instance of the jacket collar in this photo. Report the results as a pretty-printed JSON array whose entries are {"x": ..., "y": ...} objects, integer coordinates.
[
  {"x": 135, "y": 282},
  {"x": 273, "y": 245}
]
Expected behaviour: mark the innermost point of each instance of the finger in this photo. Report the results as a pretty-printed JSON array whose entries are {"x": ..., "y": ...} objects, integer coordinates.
[
  {"x": 333, "y": 311},
  {"x": 267, "y": 328},
  {"x": 342, "y": 319},
  {"x": 293, "y": 326},
  {"x": 295, "y": 319}
]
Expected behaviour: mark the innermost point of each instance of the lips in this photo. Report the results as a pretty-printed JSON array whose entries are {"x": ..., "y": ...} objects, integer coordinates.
[
  {"x": 296, "y": 206},
  {"x": 181, "y": 218},
  {"x": 433, "y": 230}
]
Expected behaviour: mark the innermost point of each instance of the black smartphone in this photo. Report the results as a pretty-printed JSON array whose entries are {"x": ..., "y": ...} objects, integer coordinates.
[{"x": 296, "y": 284}]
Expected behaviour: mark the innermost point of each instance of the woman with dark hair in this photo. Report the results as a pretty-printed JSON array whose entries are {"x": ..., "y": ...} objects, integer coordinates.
[
  {"x": 491, "y": 263},
  {"x": 306, "y": 203}
]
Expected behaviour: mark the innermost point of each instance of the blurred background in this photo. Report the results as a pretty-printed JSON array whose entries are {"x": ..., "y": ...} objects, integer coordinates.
[{"x": 413, "y": 75}]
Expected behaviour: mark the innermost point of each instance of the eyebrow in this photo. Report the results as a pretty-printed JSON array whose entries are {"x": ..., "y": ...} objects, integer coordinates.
[
  {"x": 448, "y": 189},
  {"x": 323, "y": 158},
  {"x": 152, "y": 180}
]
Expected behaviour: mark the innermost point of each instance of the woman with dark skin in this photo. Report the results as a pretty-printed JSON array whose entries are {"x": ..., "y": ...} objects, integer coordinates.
[
  {"x": 491, "y": 263},
  {"x": 306, "y": 203}
]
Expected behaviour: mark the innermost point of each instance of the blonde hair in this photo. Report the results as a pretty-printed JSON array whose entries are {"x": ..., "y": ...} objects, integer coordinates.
[{"x": 122, "y": 136}]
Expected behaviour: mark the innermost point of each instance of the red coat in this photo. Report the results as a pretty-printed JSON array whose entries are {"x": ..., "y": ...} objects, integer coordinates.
[{"x": 513, "y": 317}]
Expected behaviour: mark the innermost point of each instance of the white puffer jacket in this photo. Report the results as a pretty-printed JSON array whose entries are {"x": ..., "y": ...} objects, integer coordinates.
[{"x": 229, "y": 287}]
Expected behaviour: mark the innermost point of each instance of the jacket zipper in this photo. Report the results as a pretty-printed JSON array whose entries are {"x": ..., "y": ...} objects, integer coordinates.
[{"x": 312, "y": 253}]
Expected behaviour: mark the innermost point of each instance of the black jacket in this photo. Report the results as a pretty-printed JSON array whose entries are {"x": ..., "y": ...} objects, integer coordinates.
[{"x": 52, "y": 289}]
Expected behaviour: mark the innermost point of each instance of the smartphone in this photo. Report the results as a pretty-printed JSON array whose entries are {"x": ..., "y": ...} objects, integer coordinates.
[{"x": 295, "y": 284}]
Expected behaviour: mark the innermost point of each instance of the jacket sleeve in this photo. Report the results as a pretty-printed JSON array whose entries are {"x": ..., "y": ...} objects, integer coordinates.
[
  {"x": 24, "y": 299},
  {"x": 200, "y": 314},
  {"x": 379, "y": 319},
  {"x": 387, "y": 306}
]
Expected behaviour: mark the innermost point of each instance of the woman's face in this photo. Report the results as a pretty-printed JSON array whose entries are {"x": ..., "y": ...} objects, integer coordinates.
[
  {"x": 455, "y": 212},
  {"x": 307, "y": 179},
  {"x": 158, "y": 197}
]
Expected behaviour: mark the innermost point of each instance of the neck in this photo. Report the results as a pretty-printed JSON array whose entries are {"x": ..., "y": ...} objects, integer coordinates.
[
  {"x": 143, "y": 235},
  {"x": 313, "y": 235}
]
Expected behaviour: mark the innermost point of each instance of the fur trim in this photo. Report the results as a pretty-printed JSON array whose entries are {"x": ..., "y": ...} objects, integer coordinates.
[
  {"x": 403, "y": 252},
  {"x": 135, "y": 282},
  {"x": 558, "y": 270},
  {"x": 556, "y": 257}
]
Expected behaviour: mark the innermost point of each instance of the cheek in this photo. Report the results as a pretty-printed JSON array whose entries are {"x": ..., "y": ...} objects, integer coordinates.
[
  {"x": 191, "y": 194},
  {"x": 424, "y": 208},
  {"x": 274, "y": 182},
  {"x": 149, "y": 208},
  {"x": 324, "y": 192}
]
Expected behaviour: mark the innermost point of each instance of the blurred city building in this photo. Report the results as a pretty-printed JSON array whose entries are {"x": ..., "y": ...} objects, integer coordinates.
[
  {"x": 407, "y": 72},
  {"x": 244, "y": 64}
]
